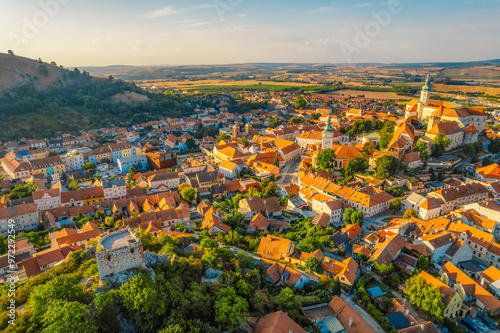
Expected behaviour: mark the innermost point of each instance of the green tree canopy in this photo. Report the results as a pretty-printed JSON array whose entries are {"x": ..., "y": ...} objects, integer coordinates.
[
  {"x": 409, "y": 213},
  {"x": 299, "y": 103},
  {"x": 386, "y": 134},
  {"x": 188, "y": 193},
  {"x": 385, "y": 166},
  {"x": 439, "y": 144},
  {"x": 395, "y": 204},
  {"x": 230, "y": 309},
  {"x": 313, "y": 264},
  {"x": 421, "y": 148},
  {"x": 326, "y": 159}
]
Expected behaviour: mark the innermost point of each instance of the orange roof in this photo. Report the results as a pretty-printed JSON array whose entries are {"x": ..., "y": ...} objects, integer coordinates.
[
  {"x": 491, "y": 274},
  {"x": 273, "y": 247},
  {"x": 471, "y": 287}
]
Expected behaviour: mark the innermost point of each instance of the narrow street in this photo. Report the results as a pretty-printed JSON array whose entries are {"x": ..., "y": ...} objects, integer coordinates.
[{"x": 366, "y": 316}]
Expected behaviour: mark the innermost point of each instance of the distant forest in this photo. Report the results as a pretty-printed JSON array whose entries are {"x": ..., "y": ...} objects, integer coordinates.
[{"x": 85, "y": 103}]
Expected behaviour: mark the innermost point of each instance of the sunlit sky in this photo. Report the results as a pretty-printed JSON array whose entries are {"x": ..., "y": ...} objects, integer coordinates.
[{"x": 175, "y": 32}]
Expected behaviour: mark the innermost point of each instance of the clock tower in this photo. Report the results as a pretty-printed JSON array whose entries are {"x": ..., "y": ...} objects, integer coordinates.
[{"x": 327, "y": 140}]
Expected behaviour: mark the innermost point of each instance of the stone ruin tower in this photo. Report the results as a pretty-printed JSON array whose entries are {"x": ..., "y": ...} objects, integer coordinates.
[{"x": 118, "y": 252}]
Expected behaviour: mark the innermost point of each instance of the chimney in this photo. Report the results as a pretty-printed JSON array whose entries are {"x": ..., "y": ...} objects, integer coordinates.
[
  {"x": 350, "y": 322},
  {"x": 422, "y": 326},
  {"x": 407, "y": 311}
]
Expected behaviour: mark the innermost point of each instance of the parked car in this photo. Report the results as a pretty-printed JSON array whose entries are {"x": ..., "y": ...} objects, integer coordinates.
[
  {"x": 489, "y": 322},
  {"x": 467, "y": 322},
  {"x": 465, "y": 328},
  {"x": 480, "y": 325}
]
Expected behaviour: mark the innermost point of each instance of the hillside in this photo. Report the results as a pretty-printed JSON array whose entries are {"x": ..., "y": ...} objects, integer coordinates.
[
  {"x": 17, "y": 71},
  {"x": 41, "y": 100}
]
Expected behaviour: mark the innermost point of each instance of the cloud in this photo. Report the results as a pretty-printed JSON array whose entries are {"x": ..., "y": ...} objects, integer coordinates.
[
  {"x": 161, "y": 12},
  {"x": 169, "y": 10},
  {"x": 323, "y": 10},
  {"x": 363, "y": 4},
  {"x": 241, "y": 15},
  {"x": 195, "y": 24},
  {"x": 318, "y": 42}
]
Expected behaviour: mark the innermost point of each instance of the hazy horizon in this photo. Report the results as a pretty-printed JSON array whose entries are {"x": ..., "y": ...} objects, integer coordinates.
[{"x": 173, "y": 33}]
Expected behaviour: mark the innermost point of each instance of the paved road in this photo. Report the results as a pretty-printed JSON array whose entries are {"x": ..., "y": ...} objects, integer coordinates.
[
  {"x": 289, "y": 172},
  {"x": 136, "y": 142},
  {"x": 376, "y": 221}
]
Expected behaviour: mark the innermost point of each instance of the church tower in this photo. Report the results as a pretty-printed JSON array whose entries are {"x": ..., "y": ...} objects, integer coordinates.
[
  {"x": 248, "y": 129},
  {"x": 424, "y": 98},
  {"x": 327, "y": 140},
  {"x": 236, "y": 130}
]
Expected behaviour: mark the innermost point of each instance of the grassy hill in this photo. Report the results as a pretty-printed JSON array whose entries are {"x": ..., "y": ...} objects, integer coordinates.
[{"x": 43, "y": 100}]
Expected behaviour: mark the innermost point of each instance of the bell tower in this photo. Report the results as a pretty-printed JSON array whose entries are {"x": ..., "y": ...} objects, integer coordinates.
[
  {"x": 424, "y": 98},
  {"x": 236, "y": 130},
  {"x": 327, "y": 140}
]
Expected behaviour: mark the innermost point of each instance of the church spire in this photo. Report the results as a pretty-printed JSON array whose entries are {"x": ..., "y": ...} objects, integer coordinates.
[
  {"x": 426, "y": 86},
  {"x": 328, "y": 127}
]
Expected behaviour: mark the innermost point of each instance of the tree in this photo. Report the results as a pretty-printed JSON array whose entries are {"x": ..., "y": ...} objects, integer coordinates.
[
  {"x": 132, "y": 171},
  {"x": 347, "y": 215},
  {"x": 386, "y": 134},
  {"x": 427, "y": 297},
  {"x": 469, "y": 149},
  {"x": 109, "y": 221},
  {"x": 385, "y": 166},
  {"x": 252, "y": 192},
  {"x": 494, "y": 145},
  {"x": 63, "y": 289},
  {"x": 143, "y": 301},
  {"x": 312, "y": 264},
  {"x": 439, "y": 144},
  {"x": 274, "y": 121},
  {"x": 409, "y": 213},
  {"x": 296, "y": 120},
  {"x": 326, "y": 159},
  {"x": 269, "y": 189},
  {"x": 369, "y": 147},
  {"x": 288, "y": 302},
  {"x": 229, "y": 309},
  {"x": 190, "y": 143},
  {"x": 299, "y": 103},
  {"x": 478, "y": 146},
  {"x": 89, "y": 165},
  {"x": 395, "y": 204},
  {"x": 423, "y": 262},
  {"x": 73, "y": 185},
  {"x": 188, "y": 193},
  {"x": 64, "y": 316},
  {"x": 357, "y": 217},
  {"x": 421, "y": 148},
  {"x": 105, "y": 161},
  {"x": 223, "y": 136}
]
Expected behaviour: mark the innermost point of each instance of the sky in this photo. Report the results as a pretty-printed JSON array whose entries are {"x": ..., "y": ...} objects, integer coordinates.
[{"x": 183, "y": 32}]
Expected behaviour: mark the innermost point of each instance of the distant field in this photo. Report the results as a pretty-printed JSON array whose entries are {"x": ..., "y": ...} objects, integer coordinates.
[
  {"x": 473, "y": 73},
  {"x": 198, "y": 83},
  {"x": 369, "y": 94},
  {"x": 465, "y": 89}
]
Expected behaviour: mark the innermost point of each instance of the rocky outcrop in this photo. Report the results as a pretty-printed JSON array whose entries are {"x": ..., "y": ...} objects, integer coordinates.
[
  {"x": 151, "y": 259},
  {"x": 90, "y": 252}
]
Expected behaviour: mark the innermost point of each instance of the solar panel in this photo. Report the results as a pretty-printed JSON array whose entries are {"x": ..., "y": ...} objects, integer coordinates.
[{"x": 398, "y": 320}]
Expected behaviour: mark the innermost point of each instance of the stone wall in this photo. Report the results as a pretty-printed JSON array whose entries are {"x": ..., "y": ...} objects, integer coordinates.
[{"x": 113, "y": 261}]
